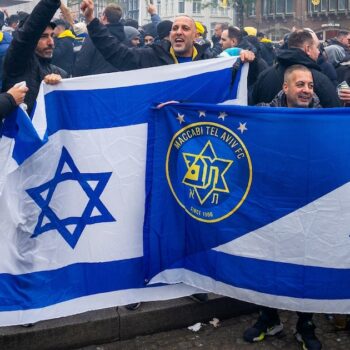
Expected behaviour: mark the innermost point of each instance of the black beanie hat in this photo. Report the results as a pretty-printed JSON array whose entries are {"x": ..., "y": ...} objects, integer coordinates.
[{"x": 164, "y": 28}]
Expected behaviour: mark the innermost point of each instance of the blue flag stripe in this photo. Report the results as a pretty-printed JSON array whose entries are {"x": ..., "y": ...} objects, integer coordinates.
[
  {"x": 46, "y": 288},
  {"x": 283, "y": 279},
  {"x": 108, "y": 108}
]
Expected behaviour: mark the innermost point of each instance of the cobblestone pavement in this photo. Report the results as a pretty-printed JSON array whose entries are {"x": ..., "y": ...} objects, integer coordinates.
[{"x": 228, "y": 336}]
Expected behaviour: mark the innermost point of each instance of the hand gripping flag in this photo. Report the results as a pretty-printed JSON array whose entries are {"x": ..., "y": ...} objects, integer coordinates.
[
  {"x": 72, "y": 183},
  {"x": 252, "y": 203}
]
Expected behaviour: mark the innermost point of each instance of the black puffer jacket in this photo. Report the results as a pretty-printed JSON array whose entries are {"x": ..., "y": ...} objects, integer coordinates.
[
  {"x": 90, "y": 61},
  {"x": 270, "y": 81},
  {"x": 21, "y": 63},
  {"x": 7, "y": 104},
  {"x": 124, "y": 58}
]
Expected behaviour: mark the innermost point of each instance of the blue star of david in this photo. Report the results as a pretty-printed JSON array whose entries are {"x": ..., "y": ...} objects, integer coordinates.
[{"x": 86, "y": 218}]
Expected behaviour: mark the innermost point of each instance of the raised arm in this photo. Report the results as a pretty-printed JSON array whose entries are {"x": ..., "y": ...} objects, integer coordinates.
[
  {"x": 26, "y": 38},
  {"x": 113, "y": 51}
]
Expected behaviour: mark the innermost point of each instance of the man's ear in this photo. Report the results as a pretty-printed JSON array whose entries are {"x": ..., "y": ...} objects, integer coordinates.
[
  {"x": 285, "y": 87},
  {"x": 307, "y": 49}
]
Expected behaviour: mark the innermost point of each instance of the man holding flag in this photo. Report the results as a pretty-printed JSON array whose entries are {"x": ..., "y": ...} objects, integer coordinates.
[
  {"x": 180, "y": 49},
  {"x": 29, "y": 55},
  {"x": 297, "y": 92}
]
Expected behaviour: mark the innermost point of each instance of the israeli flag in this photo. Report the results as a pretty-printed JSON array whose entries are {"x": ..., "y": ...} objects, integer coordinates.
[
  {"x": 72, "y": 184},
  {"x": 252, "y": 203}
]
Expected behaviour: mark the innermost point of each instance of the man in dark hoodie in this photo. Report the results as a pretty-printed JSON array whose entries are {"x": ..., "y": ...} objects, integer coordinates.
[
  {"x": 89, "y": 60},
  {"x": 29, "y": 55},
  {"x": 303, "y": 48}
]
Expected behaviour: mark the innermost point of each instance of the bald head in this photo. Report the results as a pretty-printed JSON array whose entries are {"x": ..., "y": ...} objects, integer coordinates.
[{"x": 182, "y": 36}]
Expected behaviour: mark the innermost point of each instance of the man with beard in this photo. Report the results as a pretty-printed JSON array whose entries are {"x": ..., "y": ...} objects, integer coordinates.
[
  {"x": 181, "y": 47},
  {"x": 29, "y": 55}
]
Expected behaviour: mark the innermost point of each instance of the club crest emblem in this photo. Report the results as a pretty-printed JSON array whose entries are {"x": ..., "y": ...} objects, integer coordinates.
[{"x": 209, "y": 171}]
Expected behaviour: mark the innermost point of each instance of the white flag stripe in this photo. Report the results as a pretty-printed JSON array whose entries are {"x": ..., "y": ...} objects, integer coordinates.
[{"x": 319, "y": 228}]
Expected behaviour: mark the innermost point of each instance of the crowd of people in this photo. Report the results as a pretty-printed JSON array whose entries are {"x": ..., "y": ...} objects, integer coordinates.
[
  {"x": 300, "y": 72},
  {"x": 36, "y": 47}
]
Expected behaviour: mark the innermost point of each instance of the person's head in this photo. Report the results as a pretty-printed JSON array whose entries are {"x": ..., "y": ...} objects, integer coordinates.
[
  {"x": 230, "y": 37},
  {"x": 260, "y": 35},
  {"x": 335, "y": 54},
  {"x": 61, "y": 26},
  {"x": 12, "y": 21},
  {"x": 298, "y": 86},
  {"x": 342, "y": 37},
  {"x": 111, "y": 14},
  {"x": 182, "y": 36},
  {"x": 219, "y": 28},
  {"x": 199, "y": 29},
  {"x": 250, "y": 31},
  {"x": 306, "y": 41},
  {"x": 164, "y": 28},
  {"x": 45, "y": 44},
  {"x": 148, "y": 39},
  {"x": 132, "y": 36},
  {"x": 130, "y": 22}
]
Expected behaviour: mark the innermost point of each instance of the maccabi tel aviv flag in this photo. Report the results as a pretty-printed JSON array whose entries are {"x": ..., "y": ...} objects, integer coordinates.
[
  {"x": 252, "y": 203},
  {"x": 72, "y": 184}
]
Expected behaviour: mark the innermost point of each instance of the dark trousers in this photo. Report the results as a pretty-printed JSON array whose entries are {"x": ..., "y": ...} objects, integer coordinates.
[{"x": 304, "y": 318}]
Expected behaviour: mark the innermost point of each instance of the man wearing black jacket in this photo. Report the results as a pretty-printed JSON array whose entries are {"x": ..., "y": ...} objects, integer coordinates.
[
  {"x": 89, "y": 60},
  {"x": 29, "y": 55},
  {"x": 302, "y": 49},
  {"x": 179, "y": 49}
]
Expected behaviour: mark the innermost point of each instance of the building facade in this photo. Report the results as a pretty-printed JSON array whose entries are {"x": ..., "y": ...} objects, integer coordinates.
[
  {"x": 74, "y": 6},
  {"x": 208, "y": 13},
  {"x": 20, "y": 5},
  {"x": 276, "y": 17}
]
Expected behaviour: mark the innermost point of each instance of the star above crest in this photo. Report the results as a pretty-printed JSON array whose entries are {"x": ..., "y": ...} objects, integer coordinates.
[
  {"x": 242, "y": 127},
  {"x": 222, "y": 115},
  {"x": 180, "y": 118}
]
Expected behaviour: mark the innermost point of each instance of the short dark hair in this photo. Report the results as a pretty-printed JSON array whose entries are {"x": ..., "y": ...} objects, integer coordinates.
[
  {"x": 299, "y": 38},
  {"x": 293, "y": 68},
  {"x": 234, "y": 33},
  {"x": 113, "y": 13},
  {"x": 12, "y": 19},
  {"x": 61, "y": 23},
  {"x": 342, "y": 33},
  {"x": 130, "y": 22}
]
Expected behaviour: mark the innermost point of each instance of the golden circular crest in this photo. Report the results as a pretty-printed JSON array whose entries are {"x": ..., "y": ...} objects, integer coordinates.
[{"x": 209, "y": 171}]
